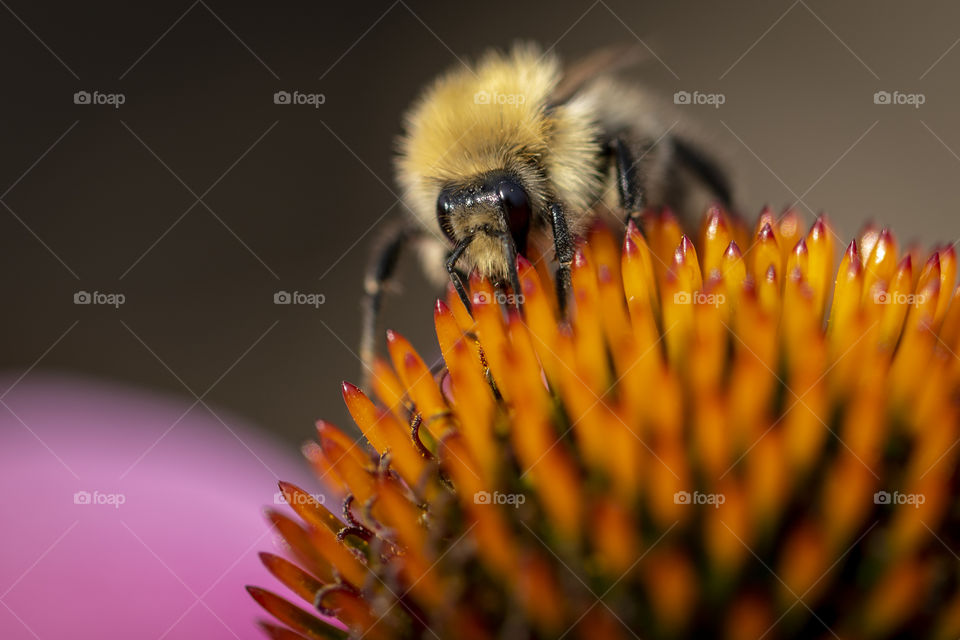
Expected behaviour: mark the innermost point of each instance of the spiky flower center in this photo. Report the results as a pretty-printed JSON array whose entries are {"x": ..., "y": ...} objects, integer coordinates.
[{"x": 716, "y": 442}]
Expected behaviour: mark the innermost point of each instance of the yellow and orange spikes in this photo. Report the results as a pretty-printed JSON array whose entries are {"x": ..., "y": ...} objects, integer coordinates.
[
  {"x": 789, "y": 232},
  {"x": 846, "y": 295},
  {"x": 923, "y": 312},
  {"x": 388, "y": 388},
  {"x": 820, "y": 245},
  {"x": 798, "y": 261},
  {"x": 475, "y": 407},
  {"x": 388, "y": 436},
  {"x": 402, "y": 516},
  {"x": 292, "y": 576},
  {"x": 489, "y": 323},
  {"x": 674, "y": 371},
  {"x": 639, "y": 276},
  {"x": 765, "y": 219},
  {"x": 665, "y": 236},
  {"x": 868, "y": 239},
  {"x": 323, "y": 469},
  {"x": 294, "y": 617},
  {"x": 540, "y": 321},
  {"x": 358, "y": 451},
  {"x": 734, "y": 271},
  {"x": 587, "y": 323},
  {"x": 765, "y": 253},
  {"x": 716, "y": 238},
  {"x": 448, "y": 331},
  {"x": 605, "y": 253},
  {"x": 419, "y": 382},
  {"x": 880, "y": 265},
  {"x": 768, "y": 291},
  {"x": 896, "y": 299},
  {"x": 460, "y": 313},
  {"x": 948, "y": 277},
  {"x": 346, "y": 461},
  {"x": 308, "y": 508},
  {"x": 346, "y": 564},
  {"x": 365, "y": 415},
  {"x": 297, "y": 540},
  {"x": 686, "y": 266}
]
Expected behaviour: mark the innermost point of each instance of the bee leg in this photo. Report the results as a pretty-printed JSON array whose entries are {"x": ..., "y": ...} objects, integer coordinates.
[
  {"x": 455, "y": 278},
  {"x": 510, "y": 249},
  {"x": 628, "y": 178},
  {"x": 379, "y": 270},
  {"x": 563, "y": 249}
]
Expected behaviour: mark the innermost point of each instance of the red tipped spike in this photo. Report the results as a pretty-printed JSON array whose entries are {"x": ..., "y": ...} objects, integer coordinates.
[
  {"x": 579, "y": 258},
  {"x": 733, "y": 251}
]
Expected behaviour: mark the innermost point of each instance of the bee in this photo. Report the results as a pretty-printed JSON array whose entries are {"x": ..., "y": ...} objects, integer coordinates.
[{"x": 515, "y": 153}]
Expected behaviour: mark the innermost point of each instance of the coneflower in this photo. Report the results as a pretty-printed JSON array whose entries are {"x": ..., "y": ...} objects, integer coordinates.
[{"x": 724, "y": 438}]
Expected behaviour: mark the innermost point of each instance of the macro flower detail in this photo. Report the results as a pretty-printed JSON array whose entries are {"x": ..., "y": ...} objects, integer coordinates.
[{"x": 725, "y": 436}]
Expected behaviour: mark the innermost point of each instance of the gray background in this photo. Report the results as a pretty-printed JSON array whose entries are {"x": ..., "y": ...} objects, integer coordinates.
[{"x": 97, "y": 198}]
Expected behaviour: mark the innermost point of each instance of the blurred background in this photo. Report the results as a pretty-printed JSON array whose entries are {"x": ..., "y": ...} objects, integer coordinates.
[{"x": 198, "y": 197}]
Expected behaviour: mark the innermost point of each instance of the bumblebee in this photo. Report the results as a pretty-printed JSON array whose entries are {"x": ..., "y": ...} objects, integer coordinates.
[{"x": 515, "y": 152}]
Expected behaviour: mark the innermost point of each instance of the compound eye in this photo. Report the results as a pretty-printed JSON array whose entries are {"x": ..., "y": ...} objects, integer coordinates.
[
  {"x": 516, "y": 206},
  {"x": 444, "y": 209}
]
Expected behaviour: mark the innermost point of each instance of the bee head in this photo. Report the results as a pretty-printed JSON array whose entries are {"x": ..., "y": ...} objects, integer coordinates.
[{"x": 496, "y": 204}]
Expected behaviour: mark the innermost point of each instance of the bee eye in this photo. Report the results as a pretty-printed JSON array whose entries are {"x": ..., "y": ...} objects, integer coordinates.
[
  {"x": 516, "y": 208},
  {"x": 444, "y": 207}
]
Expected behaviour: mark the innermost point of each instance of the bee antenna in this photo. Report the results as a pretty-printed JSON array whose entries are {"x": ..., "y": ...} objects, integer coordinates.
[{"x": 455, "y": 278}]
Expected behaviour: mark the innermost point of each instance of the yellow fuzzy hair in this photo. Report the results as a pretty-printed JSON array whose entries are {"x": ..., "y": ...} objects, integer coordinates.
[{"x": 453, "y": 134}]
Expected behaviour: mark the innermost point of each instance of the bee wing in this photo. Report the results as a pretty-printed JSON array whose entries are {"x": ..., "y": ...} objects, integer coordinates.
[{"x": 601, "y": 62}]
